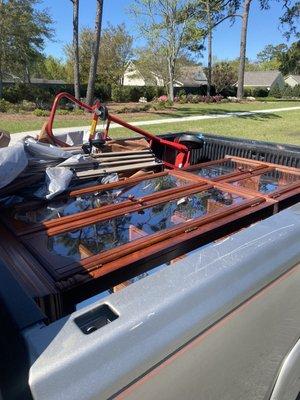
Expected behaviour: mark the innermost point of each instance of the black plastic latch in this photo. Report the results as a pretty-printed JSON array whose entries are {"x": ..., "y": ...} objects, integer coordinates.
[{"x": 95, "y": 319}]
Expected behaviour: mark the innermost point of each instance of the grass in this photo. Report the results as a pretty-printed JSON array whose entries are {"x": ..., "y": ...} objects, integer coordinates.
[{"x": 277, "y": 127}]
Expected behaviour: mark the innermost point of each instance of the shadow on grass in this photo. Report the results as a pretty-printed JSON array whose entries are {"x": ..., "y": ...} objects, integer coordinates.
[
  {"x": 187, "y": 112},
  {"x": 259, "y": 116}
]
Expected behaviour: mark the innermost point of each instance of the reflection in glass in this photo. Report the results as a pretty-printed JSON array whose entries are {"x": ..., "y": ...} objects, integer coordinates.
[
  {"x": 106, "y": 235},
  {"x": 267, "y": 182},
  {"x": 222, "y": 168},
  {"x": 61, "y": 208}
]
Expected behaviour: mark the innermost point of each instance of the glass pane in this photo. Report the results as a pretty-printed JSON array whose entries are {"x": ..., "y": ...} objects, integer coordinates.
[
  {"x": 267, "y": 182},
  {"x": 222, "y": 168},
  {"x": 61, "y": 208},
  {"x": 106, "y": 235}
]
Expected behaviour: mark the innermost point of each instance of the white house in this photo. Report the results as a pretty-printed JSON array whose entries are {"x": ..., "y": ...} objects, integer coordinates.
[
  {"x": 190, "y": 76},
  {"x": 292, "y": 80}
]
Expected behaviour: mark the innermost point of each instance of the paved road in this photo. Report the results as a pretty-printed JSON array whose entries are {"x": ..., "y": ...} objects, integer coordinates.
[{"x": 20, "y": 135}]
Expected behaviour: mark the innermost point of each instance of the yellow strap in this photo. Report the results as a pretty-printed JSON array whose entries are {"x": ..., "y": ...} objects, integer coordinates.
[{"x": 93, "y": 129}]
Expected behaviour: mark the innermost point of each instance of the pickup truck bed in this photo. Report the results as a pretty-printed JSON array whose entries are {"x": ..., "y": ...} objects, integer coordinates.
[{"x": 220, "y": 323}]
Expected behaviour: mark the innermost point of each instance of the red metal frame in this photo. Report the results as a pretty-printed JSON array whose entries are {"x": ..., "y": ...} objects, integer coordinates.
[{"x": 182, "y": 152}]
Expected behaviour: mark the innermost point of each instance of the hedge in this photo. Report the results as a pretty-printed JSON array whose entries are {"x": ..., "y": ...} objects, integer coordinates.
[
  {"x": 134, "y": 93},
  {"x": 256, "y": 92}
]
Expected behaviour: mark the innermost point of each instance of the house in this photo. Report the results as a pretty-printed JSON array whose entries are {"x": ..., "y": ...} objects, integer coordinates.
[
  {"x": 189, "y": 76},
  {"x": 263, "y": 79},
  {"x": 10, "y": 79},
  {"x": 292, "y": 80}
]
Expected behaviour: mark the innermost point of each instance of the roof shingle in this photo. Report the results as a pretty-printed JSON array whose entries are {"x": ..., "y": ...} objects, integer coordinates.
[{"x": 260, "y": 78}]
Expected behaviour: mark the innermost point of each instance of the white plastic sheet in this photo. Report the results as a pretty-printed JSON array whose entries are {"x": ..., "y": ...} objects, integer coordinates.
[
  {"x": 57, "y": 181},
  {"x": 45, "y": 151},
  {"x": 13, "y": 160},
  {"x": 73, "y": 138}
]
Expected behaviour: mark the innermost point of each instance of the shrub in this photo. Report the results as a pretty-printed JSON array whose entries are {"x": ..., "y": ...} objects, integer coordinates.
[
  {"x": 24, "y": 91},
  {"x": 183, "y": 99},
  {"x": 13, "y": 109},
  {"x": 275, "y": 91},
  {"x": 120, "y": 94},
  {"x": 181, "y": 93},
  {"x": 287, "y": 91},
  {"x": 162, "y": 99},
  {"x": 260, "y": 92},
  {"x": 190, "y": 98},
  {"x": 247, "y": 92},
  {"x": 229, "y": 91},
  {"x": 62, "y": 112},
  {"x": 296, "y": 91},
  {"x": 103, "y": 91},
  {"x": 169, "y": 103},
  {"x": 159, "y": 105},
  {"x": 26, "y": 105},
  {"x": 4, "y": 105},
  {"x": 41, "y": 113},
  {"x": 145, "y": 107},
  {"x": 78, "y": 111},
  {"x": 150, "y": 92}
]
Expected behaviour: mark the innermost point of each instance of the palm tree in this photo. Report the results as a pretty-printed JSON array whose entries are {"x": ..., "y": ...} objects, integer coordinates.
[
  {"x": 76, "y": 49},
  {"x": 95, "y": 53}
]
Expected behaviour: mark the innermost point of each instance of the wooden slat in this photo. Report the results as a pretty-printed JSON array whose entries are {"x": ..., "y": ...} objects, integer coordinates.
[{"x": 104, "y": 171}]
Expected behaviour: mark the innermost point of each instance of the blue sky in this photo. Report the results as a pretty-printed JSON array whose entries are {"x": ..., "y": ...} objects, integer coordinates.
[{"x": 263, "y": 26}]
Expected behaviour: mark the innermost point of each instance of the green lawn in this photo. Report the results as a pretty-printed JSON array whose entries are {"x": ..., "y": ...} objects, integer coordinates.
[
  {"x": 277, "y": 127},
  {"x": 282, "y": 127}
]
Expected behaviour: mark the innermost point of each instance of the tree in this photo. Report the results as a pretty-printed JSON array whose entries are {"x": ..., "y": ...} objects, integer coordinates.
[
  {"x": 49, "y": 68},
  {"x": 281, "y": 57},
  {"x": 241, "y": 73},
  {"x": 224, "y": 75},
  {"x": 170, "y": 26},
  {"x": 86, "y": 36},
  {"x": 76, "y": 49},
  {"x": 23, "y": 30},
  {"x": 115, "y": 53},
  {"x": 210, "y": 14},
  {"x": 290, "y": 61},
  {"x": 270, "y": 52},
  {"x": 155, "y": 69},
  {"x": 290, "y": 15},
  {"x": 95, "y": 53}
]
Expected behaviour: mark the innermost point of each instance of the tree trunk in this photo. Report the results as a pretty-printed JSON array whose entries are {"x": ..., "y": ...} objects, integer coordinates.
[
  {"x": 1, "y": 48},
  {"x": 1, "y": 84},
  {"x": 243, "y": 45},
  {"x": 27, "y": 78},
  {"x": 76, "y": 49},
  {"x": 209, "y": 47},
  {"x": 209, "y": 61},
  {"x": 171, "y": 79},
  {"x": 95, "y": 54}
]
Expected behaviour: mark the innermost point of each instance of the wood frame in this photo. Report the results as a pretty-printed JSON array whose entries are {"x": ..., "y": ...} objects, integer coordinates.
[
  {"x": 37, "y": 241},
  {"x": 276, "y": 194},
  {"x": 57, "y": 283},
  {"x": 20, "y": 228},
  {"x": 255, "y": 167}
]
